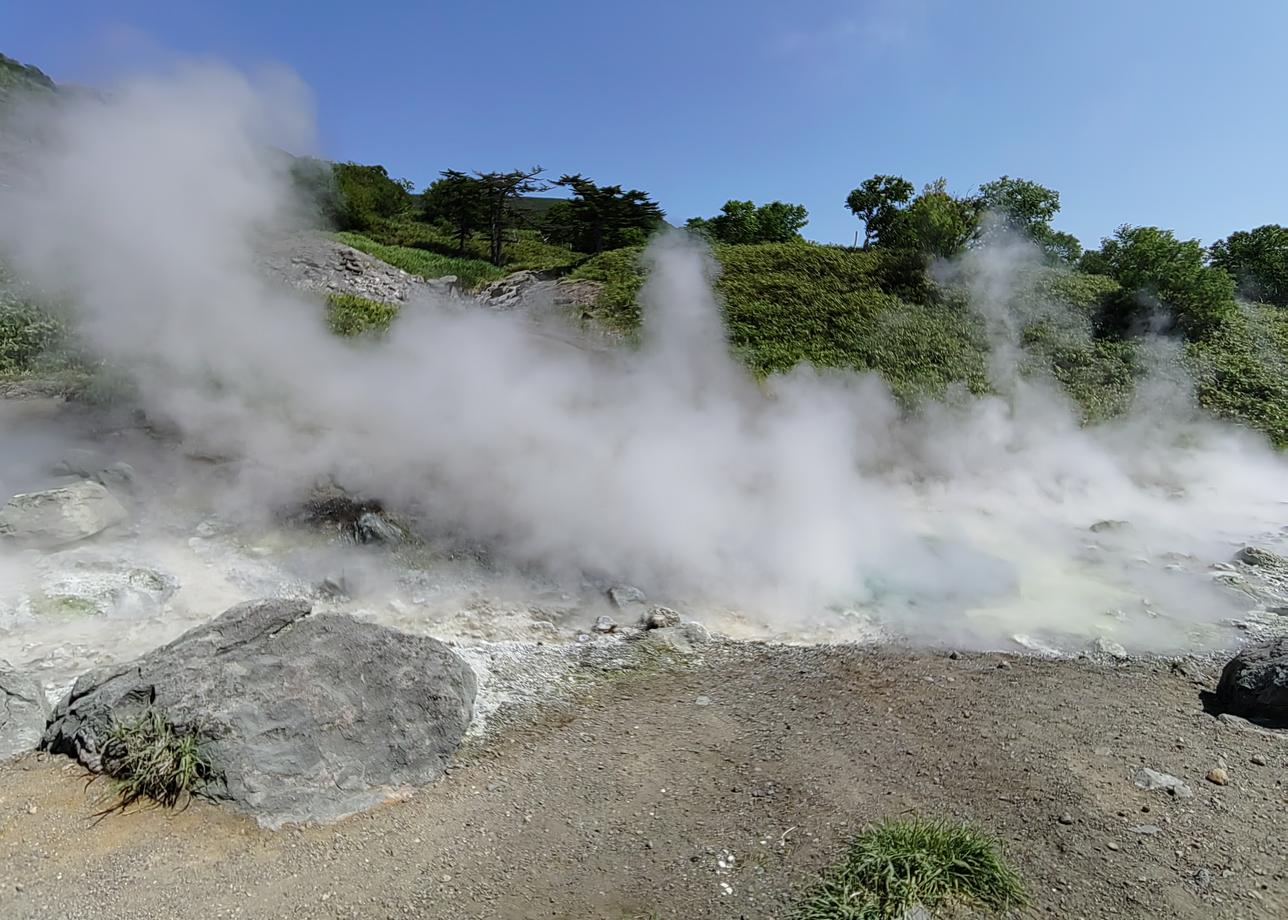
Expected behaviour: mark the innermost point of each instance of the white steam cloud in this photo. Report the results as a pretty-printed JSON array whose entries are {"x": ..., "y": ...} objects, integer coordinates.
[{"x": 666, "y": 466}]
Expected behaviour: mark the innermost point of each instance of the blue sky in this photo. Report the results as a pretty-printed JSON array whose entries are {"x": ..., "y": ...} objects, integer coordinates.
[{"x": 1167, "y": 112}]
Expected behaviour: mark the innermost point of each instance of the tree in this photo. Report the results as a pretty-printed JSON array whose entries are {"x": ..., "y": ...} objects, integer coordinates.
[
  {"x": 497, "y": 192},
  {"x": 1026, "y": 208},
  {"x": 935, "y": 224},
  {"x": 1161, "y": 275},
  {"x": 1258, "y": 261},
  {"x": 742, "y": 222},
  {"x": 601, "y": 217},
  {"x": 367, "y": 193},
  {"x": 877, "y": 202},
  {"x": 457, "y": 201}
]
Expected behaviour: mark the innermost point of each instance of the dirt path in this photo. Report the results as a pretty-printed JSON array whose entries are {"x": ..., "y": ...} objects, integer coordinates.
[{"x": 627, "y": 802}]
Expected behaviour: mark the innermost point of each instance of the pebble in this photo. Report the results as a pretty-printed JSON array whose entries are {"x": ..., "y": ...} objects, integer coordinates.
[
  {"x": 1113, "y": 846},
  {"x": 703, "y": 701},
  {"x": 1066, "y": 818},
  {"x": 1218, "y": 776},
  {"x": 604, "y": 624},
  {"x": 1258, "y": 760},
  {"x": 1148, "y": 829}
]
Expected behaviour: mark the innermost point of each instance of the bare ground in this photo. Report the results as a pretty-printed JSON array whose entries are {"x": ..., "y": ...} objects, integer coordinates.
[{"x": 626, "y": 798}]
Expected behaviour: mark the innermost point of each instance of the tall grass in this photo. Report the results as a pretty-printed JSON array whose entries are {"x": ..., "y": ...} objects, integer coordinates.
[{"x": 894, "y": 867}]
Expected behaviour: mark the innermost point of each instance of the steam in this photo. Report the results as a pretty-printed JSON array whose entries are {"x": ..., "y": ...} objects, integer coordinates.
[{"x": 810, "y": 496}]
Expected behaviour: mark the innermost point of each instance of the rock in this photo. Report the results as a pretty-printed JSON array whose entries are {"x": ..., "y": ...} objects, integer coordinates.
[
  {"x": 24, "y": 710},
  {"x": 658, "y": 617},
  {"x": 1201, "y": 879},
  {"x": 1217, "y": 776},
  {"x": 1254, "y": 683},
  {"x": 1190, "y": 670},
  {"x": 1149, "y": 830},
  {"x": 604, "y": 624},
  {"x": 303, "y": 718},
  {"x": 1102, "y": 526},
  {"x": 686, "y": 639},
  {"x": 1109, "y": 648},
  {"x": 1258, "y": 760},
  {"x": 1065, "y": 818},
  {"x": 510, "y": 291},
  {"x": 77, "y": 462},
  {"x": 118, "y": 477},
  {"x": 1151, "y": 779},
  {"x": 1255, "y": 555},
  {"x": 624, "y": 595},
  {"x": 373, "y": 528},
  {"x": 60, "y": 516}
]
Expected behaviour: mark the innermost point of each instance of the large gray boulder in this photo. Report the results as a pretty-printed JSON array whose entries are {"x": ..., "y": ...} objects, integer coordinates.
[
  {"x": 302, "y": 718},
  {"x": 56, "y": 517},
  {"x": 24, "y": 710},
  {"x": 1254, "y": 683}
]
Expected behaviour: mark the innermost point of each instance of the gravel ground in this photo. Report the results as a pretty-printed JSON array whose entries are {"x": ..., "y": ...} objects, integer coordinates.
[{"x": 716, "y": 785}]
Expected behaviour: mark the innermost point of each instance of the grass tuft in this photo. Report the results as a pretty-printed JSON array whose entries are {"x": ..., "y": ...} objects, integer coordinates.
[
  {"x": 149, "y": 758},
  {"x": 351, "y": 315},
  {"x": 893, "y": 867}
]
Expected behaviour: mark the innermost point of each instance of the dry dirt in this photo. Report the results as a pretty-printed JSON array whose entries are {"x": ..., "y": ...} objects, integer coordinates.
[{"x": 627, "y": 798}]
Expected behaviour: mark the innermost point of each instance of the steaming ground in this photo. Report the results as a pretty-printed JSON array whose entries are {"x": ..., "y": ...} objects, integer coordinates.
[{"x": 809, "y": 507}]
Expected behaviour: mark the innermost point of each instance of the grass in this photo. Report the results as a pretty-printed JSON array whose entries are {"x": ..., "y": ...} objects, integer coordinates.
[
  {"x": 898, "y": 865},
  {"x": 350, "y": 315},
  {"x": 149, "y": 758},
  {"x": 524, "y": 248},
  {"x": 426, "y": 264}
]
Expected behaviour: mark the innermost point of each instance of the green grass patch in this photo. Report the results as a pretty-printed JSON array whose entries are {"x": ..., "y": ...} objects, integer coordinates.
[
  {"x": 426, "y": 264},
  {"x": 149, "y": 758},
  {"x": 27, "y": 335},
  {"x": 523, "y": 249},
  {"x": 350, "y": 315},
  {"x": 896, "y": 866}
]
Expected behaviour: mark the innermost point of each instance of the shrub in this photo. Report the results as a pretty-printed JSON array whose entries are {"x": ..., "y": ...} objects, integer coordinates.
[
  {"x": 350, "y": 315},
  {"x": 149, "y": 758},
  {"x": 26, "y": 334},
  {"x": 892, "y": 868}
]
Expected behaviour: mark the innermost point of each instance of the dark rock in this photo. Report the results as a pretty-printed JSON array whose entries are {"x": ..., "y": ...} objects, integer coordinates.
[
  {"x": 24, "y": 710},
  {"x": 303, "y": 718},
  {"x": 1254, "y": 683},
  {"x": 1102, "y": 526},
  {"x": 604, "y": 624}
]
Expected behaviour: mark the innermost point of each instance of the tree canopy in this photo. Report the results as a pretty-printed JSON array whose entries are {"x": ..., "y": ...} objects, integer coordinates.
[
  {"x": 1257, "y": 259},
  {"x": 745, "y": 222},
  {"x": 876, "y": 202},
  {"x": 1027, "y": 208},
  {"x": 600, "y": 217}
]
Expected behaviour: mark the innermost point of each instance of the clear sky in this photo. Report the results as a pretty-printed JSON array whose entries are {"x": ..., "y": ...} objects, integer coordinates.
[{"x": 1167, "y": 112}]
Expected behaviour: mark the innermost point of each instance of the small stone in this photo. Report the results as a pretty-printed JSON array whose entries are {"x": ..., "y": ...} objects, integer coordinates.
[
  {"x": 954, "y": 655},
  {"x": 703, "y": 701},
  {"x": 1255, "y": 555},
  {"x": 19, "y": 887},
  {"x": 1113, "y": 846},
  {"x": 1152, "y": 779},
  {"x": 1003, "y": 665},
  {"x": 1066, "y": 818},
  {"x": 1258, "y": 760},
  {"x": 31, "y": 809},
  {"x": 1218, "y": 776},
  {"x": 1109, "y": 648},
  {"x": 604, "y": 624},
  {"x": 1102, "y": 526},
  {"x": 1147, "y": 829}
]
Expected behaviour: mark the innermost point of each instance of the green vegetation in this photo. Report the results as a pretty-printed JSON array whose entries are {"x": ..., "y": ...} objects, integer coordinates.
[
  {"x": 349, "y": 315},
  {"x": 894, "y": 867},
  {"x": 27, "y": 335},
  {"x": 426, "y": 264},
  {"x": 1258, "y": 261},
  {"x": 744, "y": 222},
  {"x": 600, "y": 217},
  {"x": 149, "y": 758}
]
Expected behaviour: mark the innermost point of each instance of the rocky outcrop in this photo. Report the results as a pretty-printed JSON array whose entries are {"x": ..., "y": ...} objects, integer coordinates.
[
  {"x": 57, "y": 517},
  {"x": 302, "y": 718},
  {"x": 321, "y": 265},
  {"x": 1254, "y": 683},
  {"x": 23, "y": 713}
]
